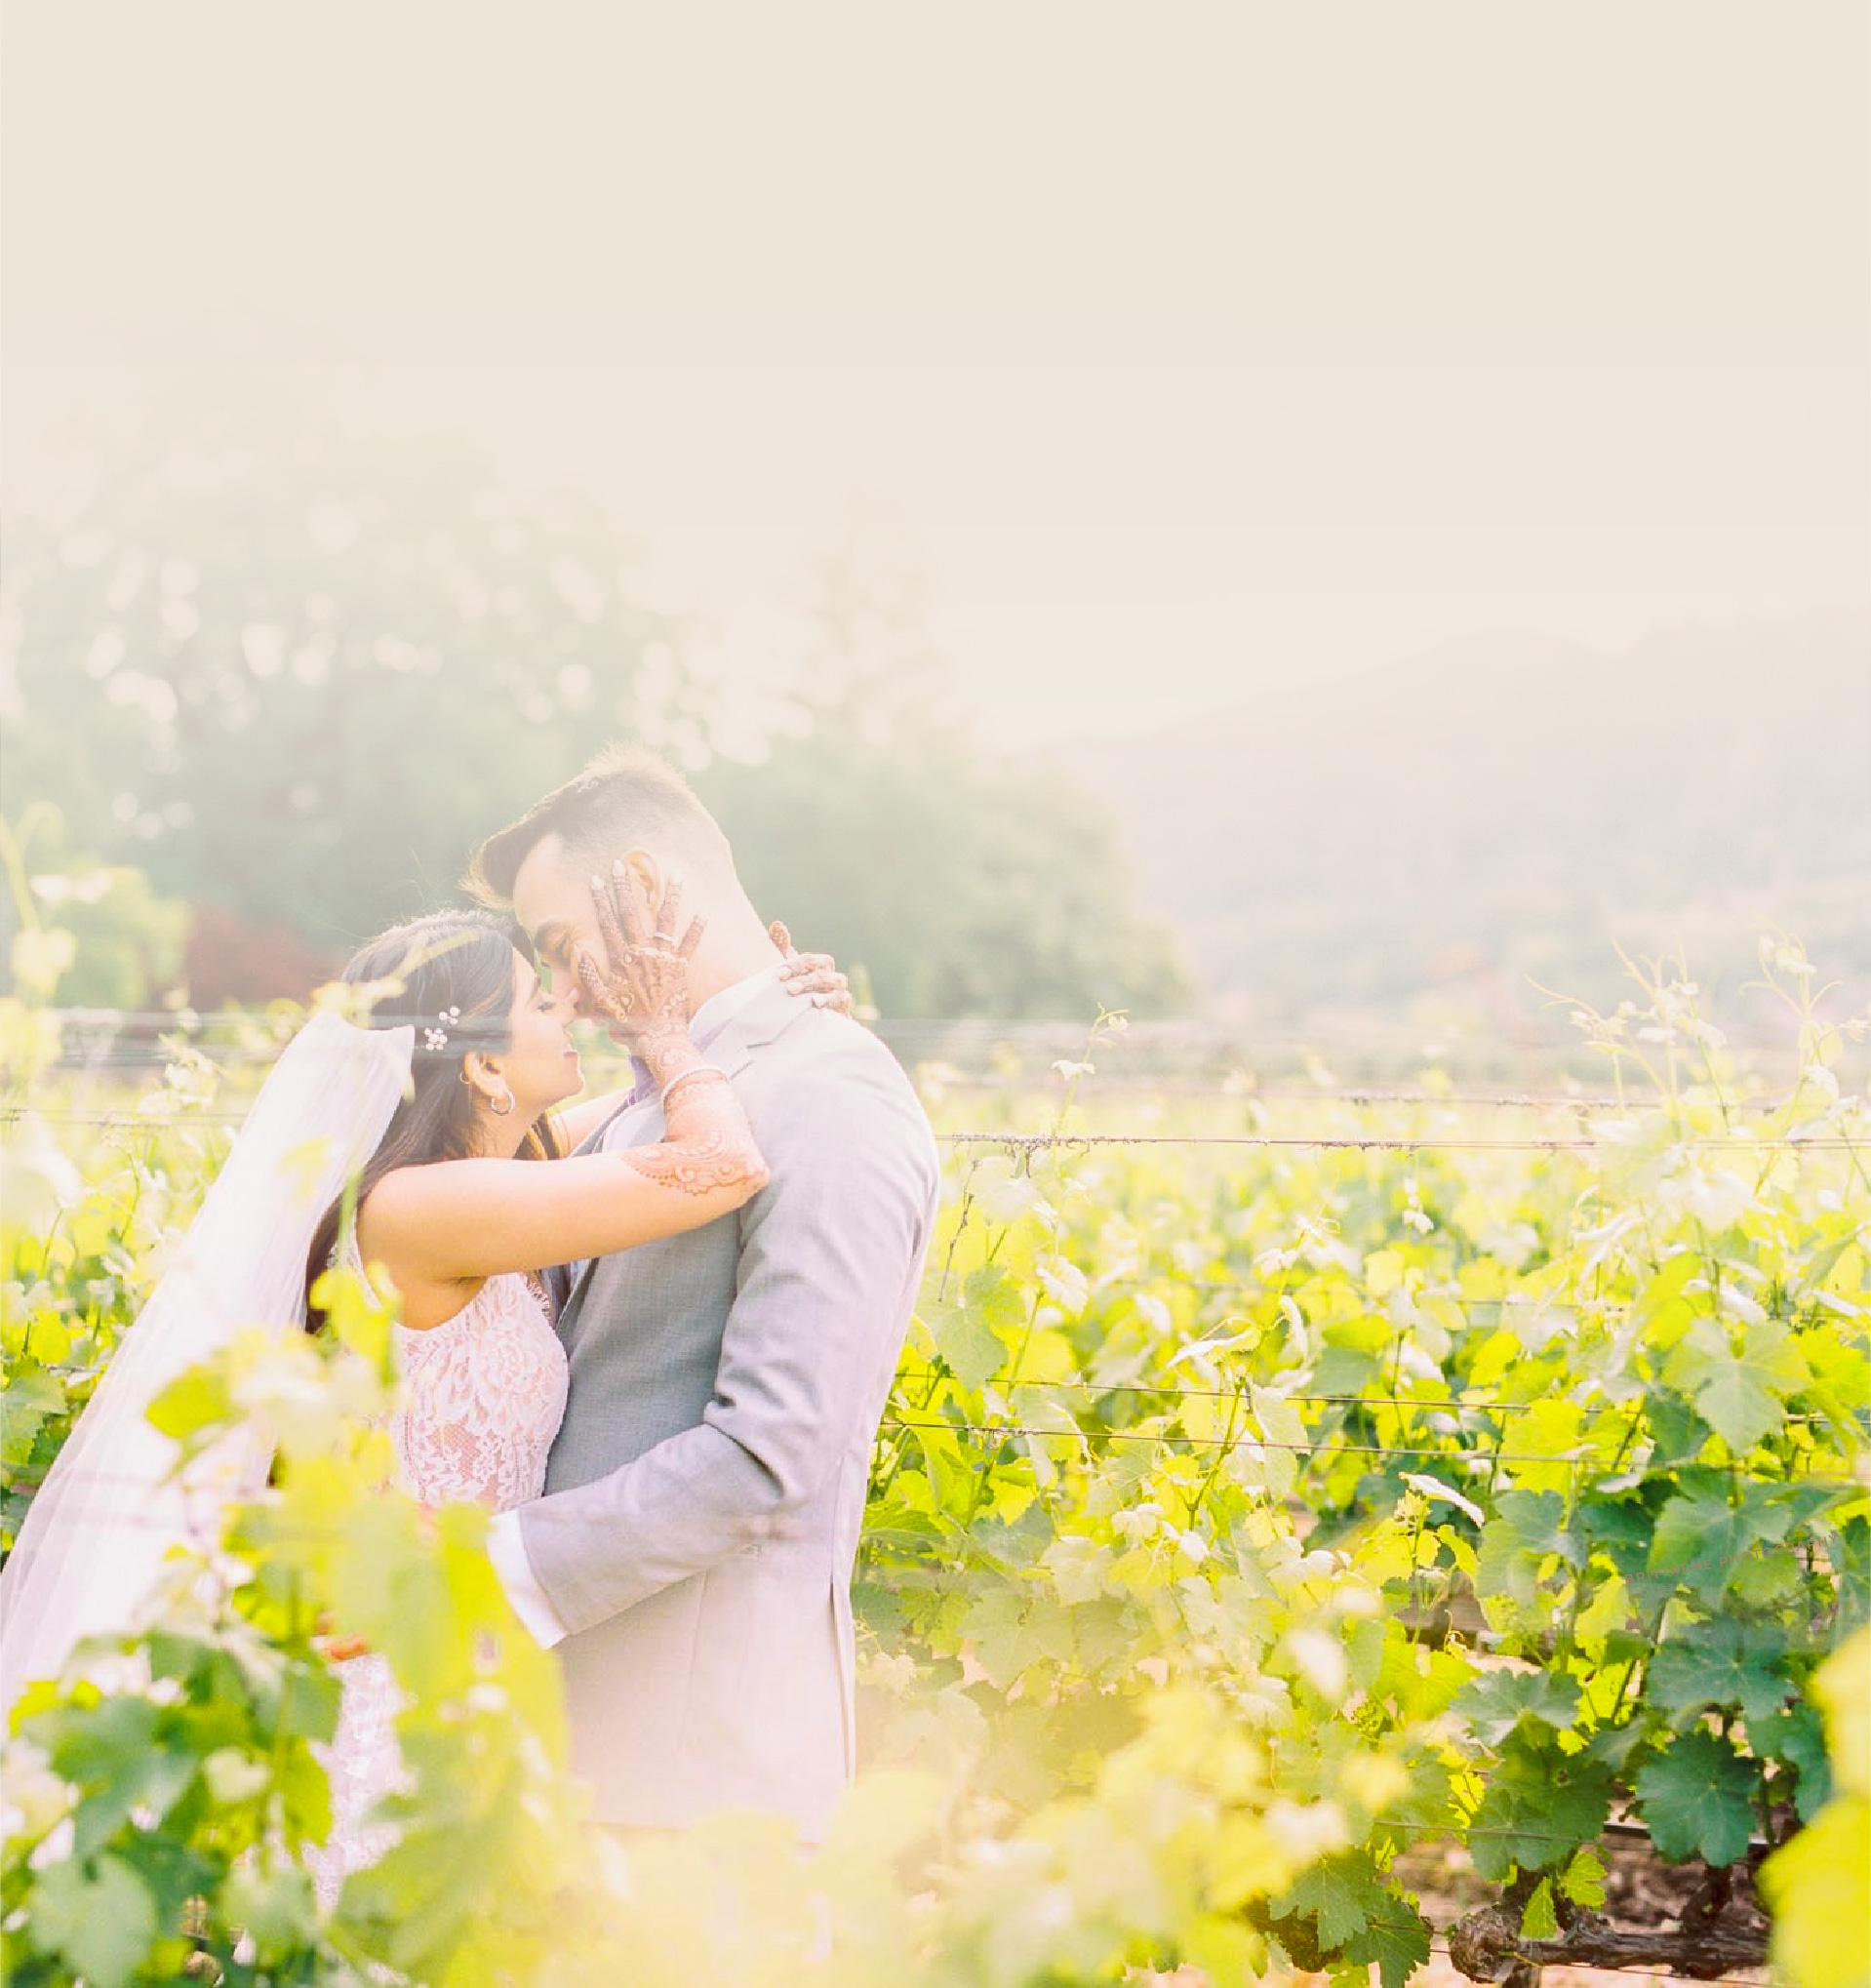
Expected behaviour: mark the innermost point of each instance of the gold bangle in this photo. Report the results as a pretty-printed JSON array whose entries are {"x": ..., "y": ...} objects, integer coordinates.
[{"x": 700, "y": 1070}]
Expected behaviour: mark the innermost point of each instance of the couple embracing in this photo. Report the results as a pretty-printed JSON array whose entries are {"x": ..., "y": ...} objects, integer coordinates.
[{"x": 655, "y": 1332}]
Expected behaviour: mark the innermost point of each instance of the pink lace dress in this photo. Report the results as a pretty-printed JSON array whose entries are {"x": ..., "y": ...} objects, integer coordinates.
[{"x": 482, "y": 1397}]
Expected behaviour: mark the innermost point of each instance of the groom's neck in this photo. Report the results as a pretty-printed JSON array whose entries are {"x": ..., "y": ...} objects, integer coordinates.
[{"x": 729, "y": 956}]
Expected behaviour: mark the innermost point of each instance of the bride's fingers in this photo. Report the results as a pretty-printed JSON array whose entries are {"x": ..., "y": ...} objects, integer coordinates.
[
  {"x": 634, "y": 905},
  {"x": 815, "y": 974},
  {"x": 600, "y": 997},
  {"x": 669, "y": 911},
  {"x": 780, "y": 937},
  {"x": 691, "y": 938},
  {"x": 604, "y": 904}
]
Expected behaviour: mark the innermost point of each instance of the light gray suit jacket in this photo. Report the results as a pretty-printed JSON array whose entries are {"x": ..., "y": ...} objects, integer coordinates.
[{"x": 706, "y": 1492}]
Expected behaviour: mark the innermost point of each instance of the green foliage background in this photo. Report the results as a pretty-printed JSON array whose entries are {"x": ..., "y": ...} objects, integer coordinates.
[{"x": 1247, "y": 1516}]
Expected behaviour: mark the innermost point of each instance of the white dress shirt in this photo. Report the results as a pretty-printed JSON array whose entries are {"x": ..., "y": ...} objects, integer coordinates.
[{"x": 505, "y": 1547}]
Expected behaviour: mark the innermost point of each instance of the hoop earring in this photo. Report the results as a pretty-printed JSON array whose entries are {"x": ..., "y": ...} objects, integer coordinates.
[{"x": 501, "y": 1104}]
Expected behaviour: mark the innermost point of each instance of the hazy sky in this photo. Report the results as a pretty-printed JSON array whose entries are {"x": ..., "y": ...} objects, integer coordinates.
[{"x": 1196, "y": 347}]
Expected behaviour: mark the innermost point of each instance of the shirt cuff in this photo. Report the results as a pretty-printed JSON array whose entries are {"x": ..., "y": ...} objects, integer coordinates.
[{"x": 507, "y": 1551}]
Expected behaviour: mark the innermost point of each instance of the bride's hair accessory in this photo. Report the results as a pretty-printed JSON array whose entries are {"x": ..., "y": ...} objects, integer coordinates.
[{"x": 434, "y": 1038}]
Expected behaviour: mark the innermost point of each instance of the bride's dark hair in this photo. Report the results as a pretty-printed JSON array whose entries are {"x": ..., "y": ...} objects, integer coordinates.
[{"x": 456, "y": 974}]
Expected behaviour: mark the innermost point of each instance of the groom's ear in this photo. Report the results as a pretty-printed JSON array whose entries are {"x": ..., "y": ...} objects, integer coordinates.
[{"x": 649, "y": 873}]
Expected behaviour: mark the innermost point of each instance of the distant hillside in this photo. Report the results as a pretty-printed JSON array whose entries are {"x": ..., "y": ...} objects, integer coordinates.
[{"x": 1508, "y": 806}]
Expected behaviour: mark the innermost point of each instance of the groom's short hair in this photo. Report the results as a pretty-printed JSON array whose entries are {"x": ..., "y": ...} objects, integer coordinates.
[{"x": 626, "y": 798}]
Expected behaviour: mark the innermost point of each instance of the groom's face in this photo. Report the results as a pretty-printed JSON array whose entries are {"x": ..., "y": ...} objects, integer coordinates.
[{"x": 552, "y": 903}]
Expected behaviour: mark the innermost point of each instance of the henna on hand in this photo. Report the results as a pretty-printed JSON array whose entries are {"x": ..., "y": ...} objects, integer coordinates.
[
  {"x": 643, "y": 986},
  {"x": 813, "y": 974},
  {"x": 817, "y": 974}
]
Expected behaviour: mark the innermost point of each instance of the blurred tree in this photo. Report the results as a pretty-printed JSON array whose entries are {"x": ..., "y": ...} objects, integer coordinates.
[
  {"x": 294, "y": 674},
  {"x": 297, "y": 675},
  {"x": 877, "y": 828},
  {"x": 959, "y": 887}
]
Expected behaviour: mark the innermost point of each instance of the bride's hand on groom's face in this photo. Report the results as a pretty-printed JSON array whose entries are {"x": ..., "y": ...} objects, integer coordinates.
[{"x": 641, "y": 986}]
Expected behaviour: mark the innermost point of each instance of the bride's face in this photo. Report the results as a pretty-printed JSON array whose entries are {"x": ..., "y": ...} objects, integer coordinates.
[{"x": 541, "y": 1067}]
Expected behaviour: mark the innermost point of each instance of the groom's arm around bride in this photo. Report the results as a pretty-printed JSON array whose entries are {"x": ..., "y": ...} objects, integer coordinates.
[{"x": 704, "y": 1496}]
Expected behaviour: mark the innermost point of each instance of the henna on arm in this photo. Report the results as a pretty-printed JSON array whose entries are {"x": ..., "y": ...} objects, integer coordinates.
[{"x": 708, "y": 1144}]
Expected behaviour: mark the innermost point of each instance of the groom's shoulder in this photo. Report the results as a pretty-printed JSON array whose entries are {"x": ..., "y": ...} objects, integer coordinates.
[{"x": 829, "y": 1066}]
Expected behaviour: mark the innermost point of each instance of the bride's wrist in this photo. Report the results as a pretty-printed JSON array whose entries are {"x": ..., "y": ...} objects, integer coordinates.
[{"x": 667, "y": 1051}]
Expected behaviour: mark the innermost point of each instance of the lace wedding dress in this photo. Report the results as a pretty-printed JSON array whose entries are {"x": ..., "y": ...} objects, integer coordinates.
[{"x": 481, "y": 1400}]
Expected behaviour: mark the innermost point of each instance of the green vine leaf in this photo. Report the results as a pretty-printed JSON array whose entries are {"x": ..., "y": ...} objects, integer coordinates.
[
  {"x": 1539, "y": 1920},
  {"x": 1697, "y": 1799},
  {"x": 1539, "y": 1805},
  {"x": 1724, "y": 1665},
  {"x": 100, "y": 1917},
  {"x": 1740, "y": 1394}
]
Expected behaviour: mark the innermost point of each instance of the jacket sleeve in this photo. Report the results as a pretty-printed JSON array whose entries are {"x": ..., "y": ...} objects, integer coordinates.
[{"x": 831, "y": 1256}]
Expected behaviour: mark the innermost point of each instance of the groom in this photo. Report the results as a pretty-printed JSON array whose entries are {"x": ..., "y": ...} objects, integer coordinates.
[{"x": 692, "y": 1556}]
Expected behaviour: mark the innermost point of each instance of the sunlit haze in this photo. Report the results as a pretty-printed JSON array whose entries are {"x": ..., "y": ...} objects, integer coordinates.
[{"x": 1188, "y": 352}]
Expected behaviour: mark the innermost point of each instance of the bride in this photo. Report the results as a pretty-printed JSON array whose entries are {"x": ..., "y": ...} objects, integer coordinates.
[{"x": 447, "y": 1108}]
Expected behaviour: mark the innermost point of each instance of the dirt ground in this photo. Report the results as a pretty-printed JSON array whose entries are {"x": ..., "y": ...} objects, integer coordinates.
[{"x": 1641, "y": 1890}]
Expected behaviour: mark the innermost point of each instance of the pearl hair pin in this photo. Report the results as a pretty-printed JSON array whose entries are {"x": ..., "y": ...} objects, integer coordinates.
[{"x": 438, "y": 1038}]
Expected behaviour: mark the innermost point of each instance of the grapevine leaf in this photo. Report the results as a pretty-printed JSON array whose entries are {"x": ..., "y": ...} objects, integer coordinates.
[
  {"x": 1539, "y": 1920},
  {"x": 1700, "y": 1538},
  {"x": 996, "y": 1628},
  {"x": 1340, "y": 1893},
  {"x": 1696, "y": 1797},
  {"x": 966, "y": 1340},
  {"x": 1527, "y": 1528},
  {"x": 275, "y": 1908},
  {"x": 1721, "y": 1664},
  {"x": 102, "y": 1919},
  {"x": 196, "y": 1399},
  {"x": 1613, "y": 1745},
  {"x": 1740, "y": 1394},
  {"x": 31, "y": 1395},
  {"x": 1797, "y": 1738},
  {"x": 1495, "y": 1703},
  {"x": 149, "y": 1782},
  {"x": 1541, "y": 1805},
  {"x": 308, "y": 1703},
  {"x": 1395, "y": 1936},
  {"x": 89, "y": 1744},
  {"x": 1583, "y": 1879},
  {"x": 1434, "y": 1487}
]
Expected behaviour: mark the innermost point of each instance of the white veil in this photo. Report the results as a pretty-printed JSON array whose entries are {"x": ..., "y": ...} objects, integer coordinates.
[{"x": 97, "y": 1532}]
